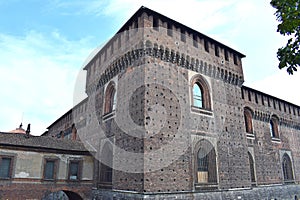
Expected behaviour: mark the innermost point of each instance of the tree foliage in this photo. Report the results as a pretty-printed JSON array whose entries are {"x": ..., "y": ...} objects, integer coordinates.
[{"x": 288, "y": 15}]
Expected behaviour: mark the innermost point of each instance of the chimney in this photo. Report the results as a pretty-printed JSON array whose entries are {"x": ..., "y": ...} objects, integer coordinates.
[{"x": 28, "y": 131}]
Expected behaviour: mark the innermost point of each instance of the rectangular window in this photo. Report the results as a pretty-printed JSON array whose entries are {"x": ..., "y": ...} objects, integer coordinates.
[
  {"x": 195, "y": 42},
  {"x": 206, "y": 46},
  {"x": 170, "y": 31},
  {"x": 235, "y": 60},
  {"x": 242, "y": 94},
  {"x": 5, "y": 167},
  {"x": 155, "y": 23},
  {"x": 217, "y": 53},
  {"x": 226, "y": 54},
  {"x": 50, "y": 169},
  {"x": 112, "y": 48},
  {"x": 119, "y": 41},
  {"x": 183, "y": 37},
  {"x": 135, "y": 26},
  {"x": 74, "y": 170},
  {"x": 249, "y": 96}
]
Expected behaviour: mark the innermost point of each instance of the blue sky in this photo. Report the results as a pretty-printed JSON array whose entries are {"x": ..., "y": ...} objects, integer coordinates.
[{"x": 45, "y": 43}]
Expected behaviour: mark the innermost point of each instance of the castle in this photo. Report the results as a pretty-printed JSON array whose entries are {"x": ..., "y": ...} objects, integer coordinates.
[{"x": 167, "y": 116}]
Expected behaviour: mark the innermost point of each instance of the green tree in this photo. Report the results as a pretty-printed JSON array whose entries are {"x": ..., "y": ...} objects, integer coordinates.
[{"x": 288, "y": 15}]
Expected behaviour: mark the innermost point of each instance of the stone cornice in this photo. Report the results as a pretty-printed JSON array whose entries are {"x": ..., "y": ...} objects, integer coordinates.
[
  {"x": 166, "y": 55},
  {"x": 266, "y": 116}
]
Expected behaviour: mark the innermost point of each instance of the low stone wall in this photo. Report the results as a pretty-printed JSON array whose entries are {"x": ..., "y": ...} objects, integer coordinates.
[{"x": 278, "y": 192}]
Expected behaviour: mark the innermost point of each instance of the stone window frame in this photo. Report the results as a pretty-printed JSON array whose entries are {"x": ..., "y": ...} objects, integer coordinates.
[
  {"x": 110, "y": 100},
  {"x": 106, "y": 153},
  {"x": 79, "y": 162},
  {"x": 11, "y": 167},
  {"x": 287, "y": 176},
  {"x": 248, "y": 118},
  {"x": 55, "y": 170},
  {"x": 205, "y": 92},
  {"x": 212, "y": 171},
  {"x": 252, "y": 168},
  {"x": 274, "y": 127}
]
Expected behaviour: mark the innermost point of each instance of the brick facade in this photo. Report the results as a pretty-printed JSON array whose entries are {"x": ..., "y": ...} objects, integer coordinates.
[{"x": 156, "y": 132}]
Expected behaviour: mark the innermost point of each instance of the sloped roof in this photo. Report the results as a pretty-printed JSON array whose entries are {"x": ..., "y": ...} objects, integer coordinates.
[{"x": 41, "y": 143}]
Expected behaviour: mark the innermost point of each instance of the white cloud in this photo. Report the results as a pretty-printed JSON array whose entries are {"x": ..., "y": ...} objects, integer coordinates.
[
  {"x": 38, "y": 71},
  {"x": 280, "y": 85},
  {"x": 248, "y": 26},
  {"x": 37, "y": 78}
]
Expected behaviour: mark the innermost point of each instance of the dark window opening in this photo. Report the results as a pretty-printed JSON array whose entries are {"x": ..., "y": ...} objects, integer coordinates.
[
  {"x": 243, "y": 94},
  {"x": 279, "y": 106},
  {"x": 155, "y": 23},
  {"x": 206, "y": 46},
  {"x": 249, "y": 96},
  {"x": 217, "y": 51},
  {"x": 169, "y": 31},
  {"x": 74, "y": 170},
  {"x": 284, "y": 107},
  {"x": 274, "y": 127},
  {"x": 135, "y": 26},
  {"x": 235, "y": 59},
  {"x": 5, "y": 167},
  {"x": 287, "y": 168},
  {"x": 252, "y": 173},
  {"x": 195, "y": 42},
  {"x": 248, "y": 120},
  {"x": 294, "y": 112},
  {"x": 50, "y": 169},
  {"x": 183, "y": 36},
  {"x": 226, "y": 54}
]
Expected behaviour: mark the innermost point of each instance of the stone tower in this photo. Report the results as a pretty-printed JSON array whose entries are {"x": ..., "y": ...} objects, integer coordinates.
[{"x": 165, "y": 112}]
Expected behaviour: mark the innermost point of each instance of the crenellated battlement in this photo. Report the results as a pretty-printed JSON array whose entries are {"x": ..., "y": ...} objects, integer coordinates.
[{"x": 148, "y": 32}]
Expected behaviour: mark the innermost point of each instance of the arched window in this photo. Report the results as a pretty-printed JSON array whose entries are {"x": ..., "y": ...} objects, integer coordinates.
[
  {"x": 74, "y": 132},
  {"x": 200, "y": 93},
  {"x": 274, "y": 127},
  {"x": 251, "y": 163},
  {"x": 248, "y": 120},
  {"x": 197, "y": 96},
  {"x": 106, "y": 171},
  {"x": 287, "y": 168},
  {"x": 206, "y": 170},
  {"x": 110, "y": 98}
]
